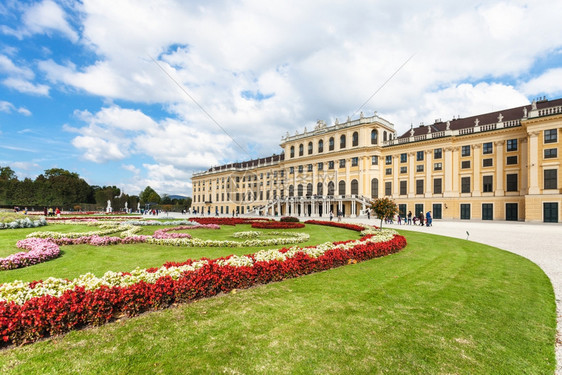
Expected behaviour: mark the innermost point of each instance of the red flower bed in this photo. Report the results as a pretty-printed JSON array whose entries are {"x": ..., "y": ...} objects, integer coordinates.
[
  {"x": 90, "y": 218},
  {"x": 276, "y": 225},
  {"x": 357, "y": 228},
  {"x": 226, "y": 220},
  {"x": 46, "y": 316}
]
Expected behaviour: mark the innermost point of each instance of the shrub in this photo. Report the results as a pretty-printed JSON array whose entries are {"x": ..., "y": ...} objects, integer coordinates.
[{"x": 289, "y": 219}]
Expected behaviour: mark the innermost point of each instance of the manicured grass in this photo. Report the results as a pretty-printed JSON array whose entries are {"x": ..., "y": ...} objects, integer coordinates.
[
  {"x": 79, "y": 259},
  {"x": 441, "y": 305}
]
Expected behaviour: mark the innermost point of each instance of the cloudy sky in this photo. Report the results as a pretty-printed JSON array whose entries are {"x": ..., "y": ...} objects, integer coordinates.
[{"x": 145, "y": 92}]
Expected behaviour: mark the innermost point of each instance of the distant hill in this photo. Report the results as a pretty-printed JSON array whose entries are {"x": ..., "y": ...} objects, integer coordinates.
[{"x": 177, "y": 196}]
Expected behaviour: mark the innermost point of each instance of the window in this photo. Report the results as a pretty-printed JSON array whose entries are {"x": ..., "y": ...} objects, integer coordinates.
[
  {"x": 512, "y": 145},
  {"x": 465, "y": 184},
  {"x": 342, "y": 141},
  {"x": 320, "y": 166},
  {"x": 341, "y": 188},
  {"x": 487, "y": 148},
  {"x": 465, "y": 211},
  {"x": 375, "y": 160},
  {"x": 309, "y": 168},
  {"x": 301, "y": 169},
  {"x": 403, "y": 169},
  {"x": 374, "y": 188},
  {"x": 419, "y": 186},
  {"x": 384, "y": 136},
  {"x": 355, "y": 139},
  {"x": 331, "y": 144},
  {"x": 465, "y": 164},
  {"x": 438, "y": 153},
  {"x": 300, "y": 190},
  {"x": 487, "y": 162},
  {"x": 309, "y": 190},
  {"x": 331, "y": 188},
  {"x": 438, "y": 166},
  {"x": 419, "y": 155},
  {"x": 403, "y": 158},
  {"x": 511, "y": 160},
  {"x": 511, "y": 182},
  {"x": 374, "y": 137},
  {"x": 354, "y": 187},
  {"x": 320, "y": 188},
  {"x": 465, "y": 150},
  {"x": 292, "y": 151},
  {"x": 388, "y": 159},
  {"x": 301, "y": 150},
  {"x": 388, "y": 188},
  {"x": 320, "y": 146},
  {"x": 487, "y": 184},
  {"x": 331, "y": 164},
  {"x": 419, "y": 168},
  {"x": 487, "y": 211},
  {"x": 403, "y": 187},
  {"x": 354, "y": 162},
  {"x": 437, "y": 186},
  {"x": 550, "y": 212},
  {"x": 291, "y": 170},
  {"x": 550, "y": 153},
  {"x": 342, "y": 163},
  {"x": 388, "y": 171},
  {"x": 550, "y": 179},
  {"x": 551, "y": 136},
  {"x": 309, "y": 148}
]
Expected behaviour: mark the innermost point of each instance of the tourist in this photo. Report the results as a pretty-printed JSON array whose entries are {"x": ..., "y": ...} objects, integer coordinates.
[
  {"x": 410, "y": 218},
  {"x": 428, "y": 219},
  {"x": 331, "y": 215},
  {"x": 399, "y": 220},
  {"x": 368, "y": 214},
  {"x": 420, "y": 218}
]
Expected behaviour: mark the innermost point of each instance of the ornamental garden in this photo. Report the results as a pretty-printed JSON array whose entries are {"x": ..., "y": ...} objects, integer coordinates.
[{"x": 263, "y": 296}]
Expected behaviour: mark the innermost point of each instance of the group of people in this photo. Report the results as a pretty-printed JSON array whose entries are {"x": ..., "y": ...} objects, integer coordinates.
[
  {"x": 50, "y": 212},
  {"x": 410, "y": 219}
]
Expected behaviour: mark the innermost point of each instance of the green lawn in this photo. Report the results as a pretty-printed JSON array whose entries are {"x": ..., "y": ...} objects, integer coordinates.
[{"x": 441, "y": 305}]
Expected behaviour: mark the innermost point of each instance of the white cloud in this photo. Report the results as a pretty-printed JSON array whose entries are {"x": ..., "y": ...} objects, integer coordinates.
[
  {"x": 26, "y": 87},
  {"x": 7, "y": 66},
  {"x": 547, "y": 83},
  {"x": 8, "y": 107},
  {"x": 44, "y": 18}
]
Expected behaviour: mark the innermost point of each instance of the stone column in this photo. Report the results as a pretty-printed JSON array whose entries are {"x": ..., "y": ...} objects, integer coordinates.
[
  {"x": 428, "y": 173},
  {"x": 522, "y": 169},
  {"x": 411, "y": 174},
  {"x": 533, "y": 162},
  {"x": 395, "y": 173},
  {"x": 454, "y": 177},
  {"x": 499, "y": 190},
  {"x": 476, "y": 192}
]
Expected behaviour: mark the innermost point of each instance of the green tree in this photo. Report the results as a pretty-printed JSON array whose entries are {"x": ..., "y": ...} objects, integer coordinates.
[
  {"x": 149, "y": 195},
  {"x": 384, "y": 208}
]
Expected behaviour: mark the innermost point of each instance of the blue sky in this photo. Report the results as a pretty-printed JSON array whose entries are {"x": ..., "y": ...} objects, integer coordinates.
[{"x": 94, "y": 86}]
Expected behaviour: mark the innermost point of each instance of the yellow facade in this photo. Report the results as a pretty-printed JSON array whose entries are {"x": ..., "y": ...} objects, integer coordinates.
[{"x": 497, "y": 166}]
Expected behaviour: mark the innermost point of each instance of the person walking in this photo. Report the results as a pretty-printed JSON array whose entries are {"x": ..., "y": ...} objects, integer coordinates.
[
  {"x": 420, "y": 217},
  {"x": 409, "y": 217},
  {"x": 428, "y": 219},
  {"x": 331, "y": 215}
]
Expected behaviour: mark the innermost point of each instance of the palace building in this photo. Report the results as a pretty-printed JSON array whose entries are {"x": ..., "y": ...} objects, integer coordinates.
[{"x": 503, "y": 165}]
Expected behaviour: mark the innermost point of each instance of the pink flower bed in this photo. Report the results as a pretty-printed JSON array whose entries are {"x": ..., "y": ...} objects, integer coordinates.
[
  {"x": 163, "y": 233},
  {"x": 39, "y": 250}
]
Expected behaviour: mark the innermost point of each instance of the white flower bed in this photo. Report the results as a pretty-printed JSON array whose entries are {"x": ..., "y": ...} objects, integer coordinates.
[
  {"x": 24, "y": 223},
  {"x": 20, "y": 292}
]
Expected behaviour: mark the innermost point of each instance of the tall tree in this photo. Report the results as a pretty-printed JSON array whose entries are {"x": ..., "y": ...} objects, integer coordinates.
[{"x": 149, "y": 195}]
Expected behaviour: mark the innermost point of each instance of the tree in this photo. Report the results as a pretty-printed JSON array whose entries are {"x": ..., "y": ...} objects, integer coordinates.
[
  {"x": 7, "y": 174},
  {"x": 148, "y": 195},
  {"x": 384, "y": 208}
]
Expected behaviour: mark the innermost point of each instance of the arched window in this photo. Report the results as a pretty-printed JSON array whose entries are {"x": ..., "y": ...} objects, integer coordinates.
[
  {"x": 292, "y": 151},
  {"x": 331, "y": 144},
  {"x": 342, "y": 141},
  {"x": 291, "y": 191},
  {"x": 341, "y": 188},
  {"x": 320, "y": 189},
  {"x": 331, "y": 188},
  {"x": 355, "y": 139},
  {"x": 354, "y": 187},
  {"x": 309, "y": 190},
  {"x": 301, "y": 150},
  {"x": 374, "y": 137},
  {"x": 309, "y": 148},
  {"x": 300, "y": 190},
  {"x": 384, "y": 136},
  {"x": 320, "y": 146},
  {"x": 375, "y": 188}
]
